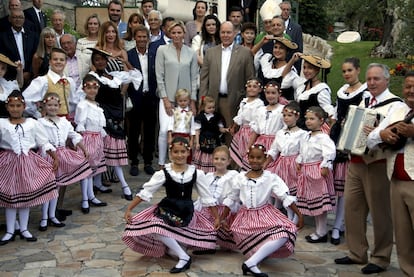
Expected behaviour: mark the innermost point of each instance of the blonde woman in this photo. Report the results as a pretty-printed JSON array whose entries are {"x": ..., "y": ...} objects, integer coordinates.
[{"x": 40, "y": 61}]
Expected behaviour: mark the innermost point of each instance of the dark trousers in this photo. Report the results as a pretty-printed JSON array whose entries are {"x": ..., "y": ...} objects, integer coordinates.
[{"x": 143, "y": 114}]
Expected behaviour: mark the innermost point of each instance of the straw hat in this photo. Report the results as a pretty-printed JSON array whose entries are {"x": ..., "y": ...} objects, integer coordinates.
[
  {"x": 269, "y": 9},
  {"x": 287, "y": 42},
  {"x": 99, "y": 51},
  {"x": 6, "y": 60},
  {"x": 316, "y": 61}
]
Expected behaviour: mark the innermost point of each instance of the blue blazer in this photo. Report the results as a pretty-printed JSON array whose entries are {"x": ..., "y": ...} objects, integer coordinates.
[
  {"x": 136, "y": 95},
  {"x": 30, "y": 15}
]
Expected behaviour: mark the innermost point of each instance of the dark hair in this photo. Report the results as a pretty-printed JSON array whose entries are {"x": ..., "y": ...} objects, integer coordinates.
[
  {"x": 116, "y": 2},
  {"x": 258, "y": 146},
  {"x": 140, "y": 28},
  {"x": 235, "y": 9},
  {"x": 89, "y": 78},
  {"x": 272, "y": 83},
  {"x": 167, "y": 19},
  {"x": 318, "y": 111},
  {"x": 58, "y": 50},
  {"x": 129, "y": 33},
  {"x": 205, "y": 35},
  {"x": 409, "y": 74},
  {"x": 248, "y": 26},
  {"x": 354, "y": 61},
  {"x": 195, "y": 8},
  {"x": 147, "y": 1},
  {"x": 180, "y": 140},
  {"x": 16, "y": 93},
  {"x": 293, "y": 106}
]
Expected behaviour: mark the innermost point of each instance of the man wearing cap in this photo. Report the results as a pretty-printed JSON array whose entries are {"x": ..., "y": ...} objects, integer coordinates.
[
  {"x": 225, "y": 71},
  {"x": 367, "y": 188}
]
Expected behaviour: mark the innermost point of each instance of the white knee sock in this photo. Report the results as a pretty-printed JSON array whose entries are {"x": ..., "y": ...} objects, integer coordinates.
[
  {"x": 91, "y": 194},
  {"x": 120, "y": 174},
  {"x": 321, "y": 222},
  {"x": 10, "y": 221},
  {"x": 264, "y": 251},
  {"x": 97, "y": 181},
  {"x": 84, "y": 190},
  {"x": 52, "y": 210},
  {"x": 45, "y": 213},
  {"x": 291, "y": 215},
  {"x": 175, "y": 248},
  {"x": 339, "y": 219},
  {"x": 24, "y": 221}
]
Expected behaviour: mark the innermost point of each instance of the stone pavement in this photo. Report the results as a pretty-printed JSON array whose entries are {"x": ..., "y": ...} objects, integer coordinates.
[{"x": 90, "y": 245}]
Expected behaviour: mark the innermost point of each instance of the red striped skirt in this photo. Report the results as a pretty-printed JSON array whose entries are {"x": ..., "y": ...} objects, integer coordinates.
[
  {"x": 266, "y": 141},
  {"x": 203, "y": 161},
  {"x": 238, "y": 146},
  {"x": 340, "y": 170},
  {"x": 315, "y": 193},
  {"x": 140, "y": 234},
  {"x": 224, "y": 238},
  {"x": 72, "y": 168},
  {"x": 252, "y": 228},
  {"x": 115, "y": 151},
  {"x": 25, "y": 180},
  {"x": 285, "y": 168},
  {"x": 93, "y": 143}
]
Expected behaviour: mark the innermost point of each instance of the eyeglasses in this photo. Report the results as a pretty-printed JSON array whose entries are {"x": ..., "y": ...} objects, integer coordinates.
[
  {"x": 153, "y": 19},
  {"x": 17, "y": 17}
]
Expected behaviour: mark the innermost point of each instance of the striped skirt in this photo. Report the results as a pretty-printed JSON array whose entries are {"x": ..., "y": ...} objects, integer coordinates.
[
  {"x": 285, "y": 168},
  {"x": 266, "y": 141},
  {"x": 224, "y": 238},
  {"x": 315, "y": 193},
  {"x": 203, "y": 161},
  {"x": 141, "y": 237},
  {"x": 72, "y": 168},
  {"x": 252, "y": 228},
  {"x": 340, "y": 170},
  {"x": 115, "y": 151},
  {"x": 93, "y": 143},
  {"x": 25, "y": 180},
  {"x": 238, "y": 146}
]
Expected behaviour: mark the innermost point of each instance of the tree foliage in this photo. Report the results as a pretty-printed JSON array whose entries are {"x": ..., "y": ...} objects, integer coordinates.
[{"x": 313, "y": 17}]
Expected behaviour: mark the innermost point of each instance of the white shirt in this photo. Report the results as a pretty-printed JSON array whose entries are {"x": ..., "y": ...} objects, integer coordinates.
[
  {"x": 317, "y": 148},
  {"x": 267, "y": 122},
  {"x": 6, "y": 87},
  {"x": 18, "y": 37},
  {"x": 20, "y": 138},
  {"x": 225, "y": 62},
  {"x": 58, "y": 130},
  {"x": 344, "y": 95},
  {"x": 247, "y": 110},
  {"x": 90, "y": 117},
  {"x": 178, "y": 120},
  {"x": 143, "y": 60},
  {"x": 269, "y": 72},
  {"x": 158, "y": 180},
  {"x": 254, "y": 193},
  {"x": 286, "y": 143}
]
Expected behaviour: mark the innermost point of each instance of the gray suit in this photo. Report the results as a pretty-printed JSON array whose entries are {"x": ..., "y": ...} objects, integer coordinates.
[{"x": 240, "y": 70}]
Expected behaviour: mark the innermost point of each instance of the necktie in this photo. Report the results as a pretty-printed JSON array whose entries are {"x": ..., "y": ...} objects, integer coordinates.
[
  {"x": 183, "y": 111},
  {"x": 41, "y": 20},
  {"x": 373, "y": 102}
]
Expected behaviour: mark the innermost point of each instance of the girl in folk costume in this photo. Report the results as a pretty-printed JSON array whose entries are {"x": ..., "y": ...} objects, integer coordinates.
[
  {"x": 90, "y": 122},
  {"x": 315, "y": 191},
  {"x": 111, "y": 99},
  {"x": 259, "y": 229},
  {"x": 27, "y": 179},
  {"x": 220, "y": 187},
  {"x": 73, "y": 166},
  {"x": 182, "y": 121},
  {"x": 310, "y": 90},
  {"x": 285, "y": 149},
  {"x": 351, "y": 93},
  {"x": 267, "y": 120},
  {"x": 247, "y": 109},
  {"x": 53, "y": 81},
  {"x": 209, "y": 126},
  {"x": 170, "y": 223},
  {"x": 6, "y": 86}
]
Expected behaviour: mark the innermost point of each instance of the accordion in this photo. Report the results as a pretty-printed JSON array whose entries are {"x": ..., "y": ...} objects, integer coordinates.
[{"x": 353, "y": 138}]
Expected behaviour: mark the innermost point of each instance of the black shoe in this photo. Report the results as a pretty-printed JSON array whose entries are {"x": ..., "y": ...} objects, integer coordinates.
[
  {"x": 97, "y": 204},
  {"x": 372, "y": 268},
  {"x": 246, "y": 270},
  {"x": 128, "y": 197},
  {"x": 4, "y": 242},
  {"x": 318, "y": 240},
  {"x": 335, "y": 241},
  {"x": 43, "y": 228},
  {"x": 134, "y": 171},
  {"x": 149, "y": 169},
  {"x": 181, "y": 269},
  {"x": 64, "y": 212},
  {"x": 345, "y": 260},
  {"x": 30, "y": 239},
  {"x": 54, "y": 224},
  {"x": 60, "y": 215},
  {"x": 204, "y": 252},
  {"x": 101, "y": 190},
  {"x": 85, "y": 210}
]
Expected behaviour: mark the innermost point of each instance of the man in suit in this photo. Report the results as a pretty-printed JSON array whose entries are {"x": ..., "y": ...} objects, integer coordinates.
[
  {"x": 225, "y": 71},
  {"x": 164, "y": 37},
  {"x": 36, "y": 16},
  {"x": 293, "y": 29},
  {"x": 4, "y": 21},
  {"x": 19, "y": 44},
  {"x": 115, "y": 10},
  {"x": 145, "y": 103},
  {"x": 58, "y": 23},
  {"x": 146, "y": 7},
  {"x": 74, "y": 68}
]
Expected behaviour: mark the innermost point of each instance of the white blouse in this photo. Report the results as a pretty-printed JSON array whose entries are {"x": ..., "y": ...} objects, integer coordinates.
[
  {"x": 272, "y": 73},
  {"x": 254, "y": 193},
  {"x": 344, "y": 95},
  {"x": 90, "y": 117},
  {"x": 317, "y": 148},
  {"x": 247, "y": 110},
  {"x": 220, "y": 188},
  {"x": 133, "y": 76},
  {"x": 178, "y": 122},
  {"x": 267, "y": 122},
  {"x": 6, "y": 87},
  {"x": 84, "y": 54},
  {"x": 286, "y": 143},
  {"x": 158, "y": 180},
  {"x": 58, "y": 130},
  {"x": 21, "y": 138}
]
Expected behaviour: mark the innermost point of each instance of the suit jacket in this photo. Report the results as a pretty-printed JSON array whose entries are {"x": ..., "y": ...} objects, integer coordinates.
[
  {"x": 31, "y": 15},
  {"x": 136, "y": 96},
  {"x": 8, "y": 47},
  {"x": 240, "y": 70},
  {"x": 294, "y": 30},
  {"x": 5, "y": 24}
]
